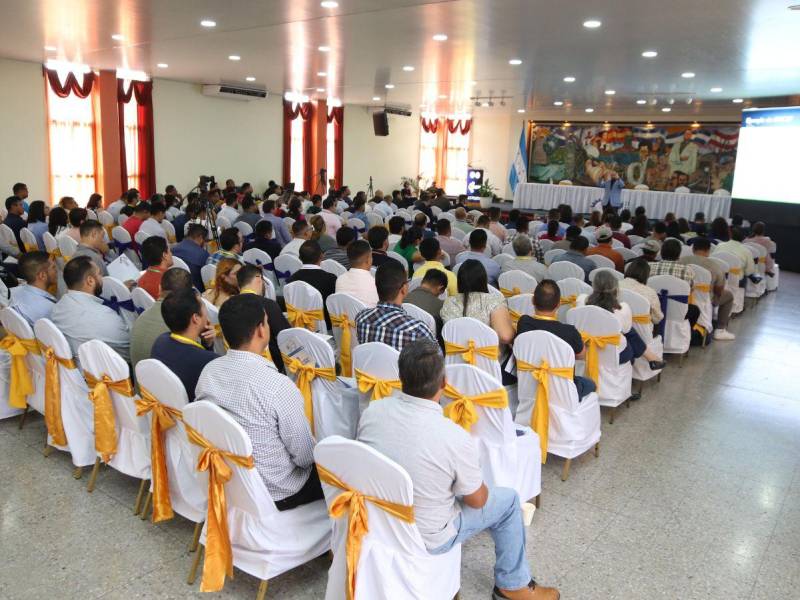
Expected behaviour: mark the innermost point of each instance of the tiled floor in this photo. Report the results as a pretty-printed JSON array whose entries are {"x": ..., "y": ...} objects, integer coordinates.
[{"x": 696, "y": 494}]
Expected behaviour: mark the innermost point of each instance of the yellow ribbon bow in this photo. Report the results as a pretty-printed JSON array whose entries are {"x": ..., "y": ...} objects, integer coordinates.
[
  {"x": 509, "y": 293},
  {"x": 109, "y": 229},
  {"x": 643, "y": 319},
  {"x": 462, "y": 409},
  {"x": 540, "y": 417},
  {"x": 515, "y": 316},
  {"x": 702, "y": 287},
  {"x": 380, "y": 387},
  {"x": 31, "y": 247},
  {"x": 353, "y": 503},
  {"x": 21, "y": 384},
  {"x": 735, "y": 271},
  {"x": 105, "y": 424},
  {"x": 52, "y": 394},
  {"x": 469, "y": 351},
  {"x": 571, "y": 300},
  {"x": 162, "y": 420},
  {"x": 304, "y": 318},
  {"x": 219, "y": 558},
  {"x": 343, "y": 322},
  {"x": 595, "y": 343},
  {"x": 54, "y": 253},
  {"x": 305, "y": 375}
]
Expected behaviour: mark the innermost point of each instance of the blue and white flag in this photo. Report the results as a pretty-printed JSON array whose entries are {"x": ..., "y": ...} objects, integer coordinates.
[{"x": 519, "y": 168}]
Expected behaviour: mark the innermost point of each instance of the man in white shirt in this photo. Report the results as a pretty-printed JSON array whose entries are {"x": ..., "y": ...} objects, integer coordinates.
[
  {"x": 230, "y": 211},
  {"x": 384, "y": 206},
  {"x": 447, "y": 243},
  {"x": 332, "y": 221},
  {"x": 80, "y": 314},
  {"x": 477, "y": 250},
  {"x": 300, "y": 234},
  {"x": 451, "y": 502},
  {"x": 736, "y": 247},
  {"x": 152, "y": 226},
  {"x": 358, "y": 281},
  {"x": 33, "y": 301},
  {"x": 493, "y": 242}
]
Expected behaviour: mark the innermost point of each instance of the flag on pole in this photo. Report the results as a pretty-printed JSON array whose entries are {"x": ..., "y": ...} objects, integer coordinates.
[{"x": 519, "y": 168}]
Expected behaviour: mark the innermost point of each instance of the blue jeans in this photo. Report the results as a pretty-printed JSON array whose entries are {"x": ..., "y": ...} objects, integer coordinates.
[
  {"x": 502, "y": 516},
  {"x": 584, "y": 385}
]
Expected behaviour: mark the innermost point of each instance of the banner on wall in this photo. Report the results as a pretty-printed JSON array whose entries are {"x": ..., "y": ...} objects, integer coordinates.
[{"x": 661, "y": 158}]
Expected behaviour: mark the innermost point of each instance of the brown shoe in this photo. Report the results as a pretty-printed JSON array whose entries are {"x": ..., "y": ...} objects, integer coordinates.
[{"x": 531, "y": 592}]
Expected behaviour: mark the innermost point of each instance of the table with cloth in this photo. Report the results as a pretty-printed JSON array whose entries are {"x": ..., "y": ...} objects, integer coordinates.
[{"x": 544, "y": 196}]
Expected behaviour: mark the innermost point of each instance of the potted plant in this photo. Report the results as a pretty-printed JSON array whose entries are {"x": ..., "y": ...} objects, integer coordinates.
[{"x": 486, "y": 194}]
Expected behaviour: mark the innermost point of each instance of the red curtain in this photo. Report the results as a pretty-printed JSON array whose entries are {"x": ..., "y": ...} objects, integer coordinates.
[
  {"x": 291, "y": 111},
  {"x": 429, "y": 125},
  {"x": 142, "y": 91},
  {"x": 454, "y": 125},
  {"x": 336, "y": 116},
  {"x": 71, "y": 84}
]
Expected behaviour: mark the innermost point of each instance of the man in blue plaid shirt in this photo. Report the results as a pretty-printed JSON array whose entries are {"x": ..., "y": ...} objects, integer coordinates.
[{"x": 388, "y": 322}]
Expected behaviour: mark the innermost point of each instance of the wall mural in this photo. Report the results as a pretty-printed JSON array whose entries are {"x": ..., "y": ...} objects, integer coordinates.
[{"x": 662, "y": 158}]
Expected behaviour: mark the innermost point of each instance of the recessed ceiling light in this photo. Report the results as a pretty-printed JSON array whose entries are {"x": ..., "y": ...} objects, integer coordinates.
[
  {"x": 251, "y": 78},
  {"x": 118, "y": 37},
  {"x": 162, "y": 65},
  {"x": 715, "y": 90},
  {"x": 208, "y": 23},
  {"x": 389, "y": 86},
  {"x": 234, "y": 57},
  {"x": 569, "y": 79},
  {"x": 376, "y": 98},
  {"x": 666, "y": 109},
  {"x": 589, "y": 110},
  {"x": 515, "y": 61},
  {"x": 649, "y": 53},
  {"x": 329, "y": 4},
  {"x": 485, "y": 104},
  {"x": 641, "y": 101},
  {"x": 50, "y": 48},
  {"x": 324, "y": 48},
  {"x": 408, "y": 68},
  {"x": 321, "y": 90},
  {"x": 520, "y": 110},
  {"x": 687, "y": 75},
  {"x": 737, "y": 100},
  {"x": 321, "y": 74},
  {"x": 440, "y": 37},
  {"x": 592, "y": 24},
  {"x": 610, "y": 92},
  {"x": 794, "y": 7},
  {"x": 558, "y": 103},
  {"x": 442, "y": 96}
]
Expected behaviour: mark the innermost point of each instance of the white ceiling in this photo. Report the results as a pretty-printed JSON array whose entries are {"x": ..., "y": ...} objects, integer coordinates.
[{"x": 749, "y": 48}]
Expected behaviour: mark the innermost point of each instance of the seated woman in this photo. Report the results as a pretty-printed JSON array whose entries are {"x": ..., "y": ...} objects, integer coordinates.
[
  {"x": 636, "y": 276},
  {"x": 320, "y": 234},
  {"x": 408, "y": 247},
  {"x": 225, "y": 284},
  {"x": 552, "y": 232}
]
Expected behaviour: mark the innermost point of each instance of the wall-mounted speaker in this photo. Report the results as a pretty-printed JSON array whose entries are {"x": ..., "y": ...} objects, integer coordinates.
[{"x": 380, "y": 123}]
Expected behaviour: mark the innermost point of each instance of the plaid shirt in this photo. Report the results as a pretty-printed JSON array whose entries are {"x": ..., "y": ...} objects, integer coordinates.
[
  {"x": 671, "y": 267},
  {"x": 390, "y": 324},
  {"x": 218, "y": 256},
  {"x": 537, "y": 249}
]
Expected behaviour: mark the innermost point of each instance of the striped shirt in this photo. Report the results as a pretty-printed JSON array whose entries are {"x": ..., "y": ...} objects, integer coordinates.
[{"x": 390, "y": 324}]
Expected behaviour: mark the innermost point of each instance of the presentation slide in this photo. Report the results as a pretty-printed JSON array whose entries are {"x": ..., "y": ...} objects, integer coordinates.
[{"x": 767, "y": 155}]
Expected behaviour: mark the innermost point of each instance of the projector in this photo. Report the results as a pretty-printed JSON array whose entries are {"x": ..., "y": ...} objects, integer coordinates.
[{"x": 397, "y": 110}]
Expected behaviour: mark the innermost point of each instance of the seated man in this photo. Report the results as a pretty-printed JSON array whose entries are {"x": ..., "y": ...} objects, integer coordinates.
[
  {"x": 301, "y": 232},
  {"x": 736, "y": 246},
  {"x": 140, "y": 214},
  {"x": 34, "y": 301},
  {"x": 344, "y": 237},
  {"x": 426, "y": 296},
  {"x": 93, "y": 244},
  {"x": 604, "y": 237},
  {"x": 14, "y": 220},
  {"x": 250, "y": 281},
  {"x": 312, "y": 274},
  {"x": 77, "y": 216},
  {"x": 493, "y": 242},
  {"x": 524, "y": 261},
  {"x": 449, "y": 244},
  {"x": 378, "y": 238},
  {"x": 250, "y": 213},
  {"x": 397, "y": 225},
  {"x": 191, "y": 250},
  {"x": 358, "y": 281},
  {"x": 182, "y": 350},
  {"x": 152, "y": 226},
  {"x": 263, "y": 240},
  {"x": 150, "y": 324},
  {"x": 570, "y": 234},
  {"x": 669, "y": 265},
  {"x": 230, "y": 246},
  {"x": 388, "y": 322},
  {"x": 80, "y": 314},
  {"x": 577, "y": 255},
  {"x": 431, "y": 251},
  {"x": 720, "y": 295},
  {"x": 451, "y": 502},
  {"x": 477, "y": 246},
  {"x": 267, "y": 405},
  {"x": 158, "y": 258},
  {"x": 546, "y": 302},
  {"x": 461, "y": 220}
]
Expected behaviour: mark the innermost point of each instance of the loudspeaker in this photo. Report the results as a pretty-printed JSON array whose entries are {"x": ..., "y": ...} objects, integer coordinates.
[{"x": 380, "y": 123}]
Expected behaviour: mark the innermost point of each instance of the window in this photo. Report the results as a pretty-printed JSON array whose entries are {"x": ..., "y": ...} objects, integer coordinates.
[
  {"x": 457, "y": 159},
  {"x": 131, "y": 134},
  {"x": 297, "y": 174},
  {"x": 444, "y": 153},
  {"x": 427, "y": 157},
  {"x": 331, "y": 152},
  {"x": 73, "y": 153}
]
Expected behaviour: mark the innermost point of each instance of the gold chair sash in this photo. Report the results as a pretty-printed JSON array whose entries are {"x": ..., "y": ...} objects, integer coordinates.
[
  {"x": 462, "y": 409},
  {"x": 380, "y": 387},
  {"x": 515, "y": 316},
  {"x": 595, "y": 343},
  {"x": 540, "y": 417},
  {"x": 702, "y": 287},
  {"x": 643, "y": 319},
  {"x": 735, "y": 271},
  {"x": 571, "y": 300},
  {"x": 515, "y": 291},
  {"x": 353, "y": 503},
  {"x": 469, "y": 351},
  {"x": 219, "y": 558},
  {"x": 52, "y": 393},
  {"x": 54, "y": 253},
  {"x": 162, "y": 420},
  {"x": 109, "y": 229},
  {"x": 344, "y": 323},
  {"x": 31, "y": 247},
  {"x": 304, "y": 318},
  {"x": 305, "y": 375},
  {"x": 21, "y": 383},
  {"x": 105, "y": 424}
]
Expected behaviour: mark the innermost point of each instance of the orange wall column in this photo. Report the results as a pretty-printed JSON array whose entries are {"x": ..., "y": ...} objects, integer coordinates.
[
  {"x": 319, "y": 143},
  {"x": 109, "y": 142}
]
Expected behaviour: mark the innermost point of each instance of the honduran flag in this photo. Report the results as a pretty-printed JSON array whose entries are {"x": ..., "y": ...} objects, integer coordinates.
[{"x": 519, "y": 167}]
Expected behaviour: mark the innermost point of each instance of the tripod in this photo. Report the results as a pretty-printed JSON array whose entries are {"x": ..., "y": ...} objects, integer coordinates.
[
  {"x": 370, "y": 189},
  {"x": 320, "y": 182}
]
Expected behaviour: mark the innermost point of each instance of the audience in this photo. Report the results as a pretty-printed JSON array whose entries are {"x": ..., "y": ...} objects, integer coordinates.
[
  {"x": 721, "y": 297},
  {"x": 577, "y": 256},
  {"x": 264, "y": 240},
  {"x": 604, "y": 236},
  {"x": 431, "y": 252},
  {"x": 492, "y": 241},
  {"x": 570, "y": 234},
  {"x": 735, "y": 245},
  {"x": 397, "y": 225},
  {"x": 37, "y": 222},
  {"x": 524, "y": 261},
  {"x": 35, "y": 301},
  {"x": 344, "y": 237},
  {"x": 230, "y": 246},
  {"x": 615, "y": 221},
  {"x": 266, "y": 404},
  {"x": 650, "y": 250},
  {"x": 427, "y": 295},
  {"x": 448, "y": 243},
  {"x": 756, "y": 237},
  {"x": 477, "y": 251},
  {"x": 158, "y": 258},
  {"x": 14, "y": 219},
  {"x": 269, "y": 209},
  {"x": 636, "y": 275},
  {"x": 224, "y": 284},
  {"x": 461, "y": 220},
  {"x": 358, "y": 281},
  {"x": 20, "y": 190},
  {"x": 152, "y": 226},
  {"x": 378, "y": 238},
  {"x": 312, "y": 273},
  {"x": 333, "y": 222},
  {"x": 133, "y": 223},
  {"x": 250, "y": 213},
  {"x": 191, "y": 250},
  {"x": 93, "y": 244},
  {"x": 495, "y": 226},
  {"x": 552, "y": 232},
  {"x": 319, "y": 233},
  {"x": 408, "y": 246},
  {"x": 300, "y": 233}
]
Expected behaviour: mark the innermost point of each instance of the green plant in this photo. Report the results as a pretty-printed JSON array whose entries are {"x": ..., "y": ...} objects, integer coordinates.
[{"x": 486, "y": 189}]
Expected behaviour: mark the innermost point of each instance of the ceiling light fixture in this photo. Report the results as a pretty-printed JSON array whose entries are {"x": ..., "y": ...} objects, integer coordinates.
[
  {"x": 589, "y": 110},
  {"x": 440, "y": 37},
  {"x": 715, "y": 90},
  {"x": 408, "y": 68},
  {"x": 687, "y": 75},
  {"x": 234, "y": 57},
  {"x": 208, "y": 23},
  {"x": 485, "y": 104},
  {"x": 610, "y": 92},
  {"x": 794, "y": 7},
  {"x": 376, "y": 98},
  {"x": 641, "y": 101},
  {"x": 162, "y": 65},
  {"x": 515, "y": 62},
  {"x": 321, "y": 90},
  {"x": 592, "y": 24},
  {"x": 321, "y": 74},
  {"x": 118, "y": 37},
  {"x": 324, "y": 48},
  {"x": 442, "y": 96},
  {"x": 558, "y": 103},
  {"x": 520, "y": 110},
  {"x": 251, "y": 78},
  {"x": 329, "y": 4},
  {"x": 649, "y": 53},
  {"x": 50, "y": 48},
  {"x": 666, "y": 109},
  {"x": 569, "y": 79},
  {"x": 389, "y": 86},
  {"x": 737, "y": 100}
]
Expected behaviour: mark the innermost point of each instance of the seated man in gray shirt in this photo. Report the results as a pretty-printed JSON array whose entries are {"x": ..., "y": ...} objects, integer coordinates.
[
  {"x": 451, "y": 502},
  {"x": 577, "y": 255}
]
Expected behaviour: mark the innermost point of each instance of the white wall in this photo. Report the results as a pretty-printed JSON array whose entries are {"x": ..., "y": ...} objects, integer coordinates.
[
  {"x": 199, "y": 135},
  {"x": 23, "y": 129},
  {"x": 493, "y": 135}
]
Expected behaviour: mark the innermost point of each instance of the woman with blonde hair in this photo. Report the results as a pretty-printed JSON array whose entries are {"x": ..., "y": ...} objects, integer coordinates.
[
  {"x": 320, "y": 234},
  {"x": 224, "y": 285}
]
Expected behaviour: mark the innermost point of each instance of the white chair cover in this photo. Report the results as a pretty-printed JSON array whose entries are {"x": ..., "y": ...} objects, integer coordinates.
[
  {"x": 358, "y": 225},
  {"x": 67, "y": 245},
  {"x": 602, "y": 261},
  {"x": 333, "y": 267},
  {"x": 614, "y": 379},
  {"x": 627, "y": 254},
  {"x": 28, "y": 239},
  {"x": 702, "y": 299},
  {"x": 179, "y": 263},
  {"x": 397, "y": 257},
  {"x": 563, "y": 269},
  {"x": 378, "y": 360},
  {"x": 521, "y": 304},
  {"x": 213, "y": 318},
  {"x": 117, "y": 296},
  {"x": 334, "y": 412},
  {"x": 122, "y": 218},
  {"x": 465, "y": 329},
  {"x": 150, "y": 228},
  {"x": 641, "y": 306},
  {"x": 374, "y": 219},
  {"x": 77, "y": 411},
  {"x": 569, "y": 288},
  {"x": 141, "y": 236},
  {"x": 259, "y": 258},
  {"x": 7, "y": 235},
  {"x": 244, "y": 228},
  {"x": 122, "y": 243},
  {"x": 517, "y": 280},
  {"x": 772, "y": 282},
  {"x": 207, "y": 274},
  {"x": 502, "y": 259},
  {"x": 456, "y": 233},
  {"x": 546, "y": 245},
  {"x": 6, "y": 411},
  {"x": 265, "y": 542},
  {"x": 510, "y": 455},
  {"x": 305, "y": 297},
  {"x": 549, "y": 255},
  {"x": 686, "y": 251},
  {"x": 142, "y": 300},
  {"x": 187, "y": 492},
  {"x": 339, "y": 304},
  {"x": 285, "y": 265},
  {"x": 394, "y": 562},
  {"x": 756, "y": 290},
  {"x": 635, "y": 239},
  {"x": 677, "y": 332},
  {"x": 106, "y": 218},
  {"x": 733, "y": 279},
  {"x": 169, "y": 231},
  {"x": 574, "y": 425},
  {"x": 133, "y": 433},
  {"x": 15, "y": 324},
  {"x": 617, "y": 275},
  {"x": 509, "y": 249},
  {"x": 420, "y": 314}
]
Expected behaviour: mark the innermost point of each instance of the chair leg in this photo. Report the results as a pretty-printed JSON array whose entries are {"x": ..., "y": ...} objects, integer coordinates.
[
  {"x": 195, "y": 564},
  {"x": 147, "y": 499},
  {"x": 658, "y": 379},
  {"x": 538, "y": 500},
  {"x": 48, "y": 449},
  {"x": 138, "y": 506},
  {"x": 93, "y": 478},
  {"x": 611, "y": 415},
  {"x": 77, "y": 472},
  {"x": 680, "y": 360},
  {"x": 22, "y": 417},
  {"x": 597, "y": 450},
  {"x": 565, "y": 471},
  {"x": 262, "y": 589},
  {"x": 196, "y": 537}
]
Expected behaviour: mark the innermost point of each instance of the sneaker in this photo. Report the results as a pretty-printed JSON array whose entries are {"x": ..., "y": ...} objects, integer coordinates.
[
  {"x": 532, "y": 592},
  {"x": 723, "y": 334},
  {"x": 657, "y": 365}
]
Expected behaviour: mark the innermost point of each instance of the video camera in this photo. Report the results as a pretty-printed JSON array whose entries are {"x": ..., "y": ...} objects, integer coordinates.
[{"x": 206, "y": 181}]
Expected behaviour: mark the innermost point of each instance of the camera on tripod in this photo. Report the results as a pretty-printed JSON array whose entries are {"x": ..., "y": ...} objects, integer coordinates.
[{"x": 206, "y": 181}]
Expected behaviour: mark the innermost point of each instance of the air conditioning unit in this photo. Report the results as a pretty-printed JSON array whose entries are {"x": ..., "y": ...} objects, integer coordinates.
[{"x": 234, "y": 92}]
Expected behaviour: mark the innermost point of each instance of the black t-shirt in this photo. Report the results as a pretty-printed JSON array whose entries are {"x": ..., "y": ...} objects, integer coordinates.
[{"x": 568, "y": 333}]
